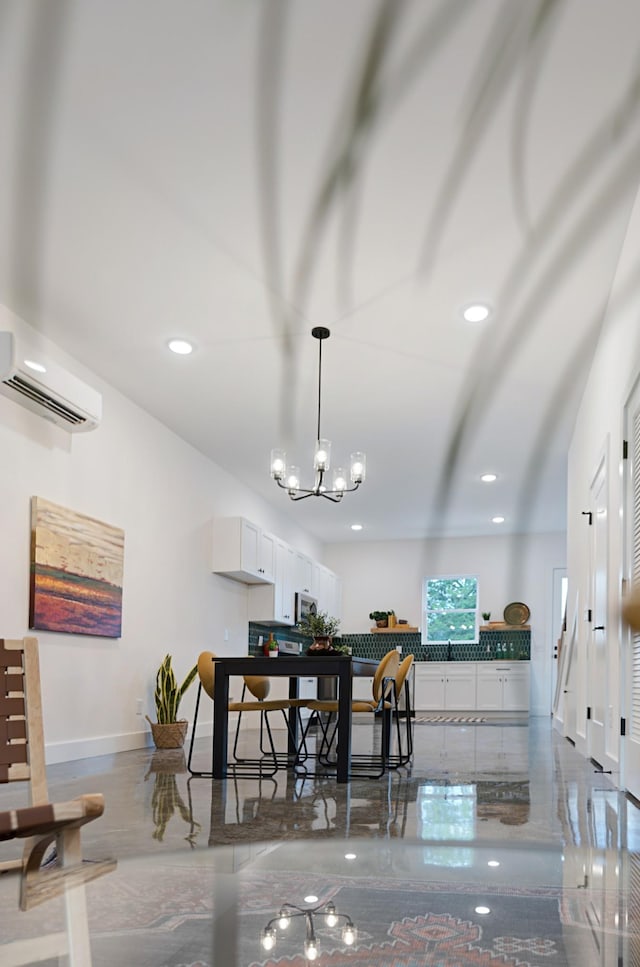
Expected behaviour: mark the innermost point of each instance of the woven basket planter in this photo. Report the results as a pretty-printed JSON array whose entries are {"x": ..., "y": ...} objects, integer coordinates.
[{"x": 170, "y": 736}]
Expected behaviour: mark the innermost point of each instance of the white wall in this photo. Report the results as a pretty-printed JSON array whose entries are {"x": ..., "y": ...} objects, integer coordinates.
[
  {"x": 134, "y": 473},
  {"x": 599, "y": 426},
  {"x": 389, "y": 575}
]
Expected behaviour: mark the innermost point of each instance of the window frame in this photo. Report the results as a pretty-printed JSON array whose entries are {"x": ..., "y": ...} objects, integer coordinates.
[{"x": 470, "y": 611}]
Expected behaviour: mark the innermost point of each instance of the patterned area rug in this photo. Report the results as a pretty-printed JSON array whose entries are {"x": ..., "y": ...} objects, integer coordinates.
[
  {"x": 447, "y": 719},
  {"x": 153, "y": 914}
]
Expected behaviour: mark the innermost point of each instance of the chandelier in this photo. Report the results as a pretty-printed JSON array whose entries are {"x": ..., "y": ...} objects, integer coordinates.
[
  {"x": 288, "y": 477},
  {"x": 289, "y": 911}
]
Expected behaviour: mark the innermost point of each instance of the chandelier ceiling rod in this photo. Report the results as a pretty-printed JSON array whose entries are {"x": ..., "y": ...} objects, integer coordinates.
[
  {"x": 320, "y": 333},
  {"x": 288, "y": 477}
]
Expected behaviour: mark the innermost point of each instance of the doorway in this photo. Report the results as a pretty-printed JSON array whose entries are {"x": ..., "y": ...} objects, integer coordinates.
[{"x": 597, "y": 630}]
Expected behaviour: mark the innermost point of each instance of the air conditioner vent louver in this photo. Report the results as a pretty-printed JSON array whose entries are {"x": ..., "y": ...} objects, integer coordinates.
[
  {"x": 42, "y": 386},
  {"x": 49, "y": 403}
]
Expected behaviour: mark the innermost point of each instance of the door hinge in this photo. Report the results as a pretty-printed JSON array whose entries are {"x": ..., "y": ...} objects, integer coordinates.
[
  {"x": 623, "y": 726},
  {"x": 589, "y": 514},
  {"x": 625, "y": 449},
  {"x": 588, "y": 712},
  {"x": 589, "y": 614}
]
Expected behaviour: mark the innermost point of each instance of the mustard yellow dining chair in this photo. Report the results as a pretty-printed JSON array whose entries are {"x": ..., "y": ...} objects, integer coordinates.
[
  {"x": 268, "y": 763},
  {"x": 402, "y": 690},
  {"x": 382, "y": 690}
]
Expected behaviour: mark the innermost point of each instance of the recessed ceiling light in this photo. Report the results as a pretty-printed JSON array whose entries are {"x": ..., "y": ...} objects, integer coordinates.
[
  {"x": 349, "y": 856},
  {"x": 476, "y": 312},
  {"x": 493, "y": 863},
  {"x": 311, "y": 898},
  {"x": 488, "y": 477},
  {"x": 497, "y": 520},
  {"x": 180, "y": 346},
  {"x": 483, "y": 911},
  {"x": 356, "y": 527},
  {"x": 36, "y": 367}
]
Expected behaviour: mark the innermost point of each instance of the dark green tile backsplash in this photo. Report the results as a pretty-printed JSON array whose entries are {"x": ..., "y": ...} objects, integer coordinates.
[{"x": 512, "y": 645}]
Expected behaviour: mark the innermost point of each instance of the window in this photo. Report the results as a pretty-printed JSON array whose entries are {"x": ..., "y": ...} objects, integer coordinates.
[{"x": 450, "y": 609}]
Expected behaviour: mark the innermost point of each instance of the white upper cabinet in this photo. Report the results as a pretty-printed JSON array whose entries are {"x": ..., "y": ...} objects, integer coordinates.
[
  {"x": 285, "y": 587},
  {"x": 275, "y": 603},
  {"x": 243, "y": 551},
  {"x": 327, "y": 590},
  {"x": 304, "y": 573}
]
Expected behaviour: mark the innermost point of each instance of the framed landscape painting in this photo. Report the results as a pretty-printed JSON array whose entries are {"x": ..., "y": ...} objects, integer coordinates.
[{"x": 76, "y": 572}]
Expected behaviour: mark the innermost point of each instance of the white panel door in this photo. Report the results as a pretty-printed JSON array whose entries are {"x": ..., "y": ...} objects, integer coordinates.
[
  {"x": 632, "y": 650},
  {"x": 597, "y": 664}
]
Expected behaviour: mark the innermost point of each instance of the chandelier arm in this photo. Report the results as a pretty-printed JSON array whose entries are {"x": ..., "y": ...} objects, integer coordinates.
[{"x": 299, "y": 493}]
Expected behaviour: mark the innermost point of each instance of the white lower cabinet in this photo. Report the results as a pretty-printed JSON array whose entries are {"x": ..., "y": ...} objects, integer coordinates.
[
  {"x": 445, "y": 686},
  {"x": 503, "y": 686},
  {"x": 471, "y": 686}
]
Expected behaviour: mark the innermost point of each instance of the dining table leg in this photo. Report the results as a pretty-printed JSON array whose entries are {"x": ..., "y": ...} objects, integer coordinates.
[
  {"x": 344, "y": 723},
  {"x": 220, "y": 724}
]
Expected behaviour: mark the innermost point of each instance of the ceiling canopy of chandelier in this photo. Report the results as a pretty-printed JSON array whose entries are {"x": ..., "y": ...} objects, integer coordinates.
[{"x": 288, "y": 477}]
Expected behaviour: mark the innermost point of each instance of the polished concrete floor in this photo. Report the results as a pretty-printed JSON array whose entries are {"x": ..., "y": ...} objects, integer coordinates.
[
  {"x": 505, "y": 814},
  {"x": 493, "y": 781}
]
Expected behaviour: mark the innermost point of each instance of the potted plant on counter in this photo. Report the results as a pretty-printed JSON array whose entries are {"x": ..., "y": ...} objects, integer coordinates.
[
  {"x": 169, "y": 732},
  {"x": 381, "y": 618},
  {"x": 321, "y": 627}
]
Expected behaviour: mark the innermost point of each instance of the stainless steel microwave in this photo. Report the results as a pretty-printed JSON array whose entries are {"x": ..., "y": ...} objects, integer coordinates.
[{"x": 305, "y": 605}]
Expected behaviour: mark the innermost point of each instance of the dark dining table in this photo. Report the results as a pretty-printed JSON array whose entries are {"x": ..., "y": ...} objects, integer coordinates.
[{"x": 343, "y": 668}]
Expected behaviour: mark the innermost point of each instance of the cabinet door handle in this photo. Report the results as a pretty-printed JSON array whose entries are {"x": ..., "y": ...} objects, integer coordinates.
[{"x": 598, "y": 628}]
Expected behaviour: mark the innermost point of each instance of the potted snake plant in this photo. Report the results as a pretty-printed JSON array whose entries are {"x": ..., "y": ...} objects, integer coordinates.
[{"x": 169, "y": 732}]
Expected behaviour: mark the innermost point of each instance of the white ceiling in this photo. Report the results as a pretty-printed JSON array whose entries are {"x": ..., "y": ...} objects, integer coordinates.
[{"x": 168, "y": 172}]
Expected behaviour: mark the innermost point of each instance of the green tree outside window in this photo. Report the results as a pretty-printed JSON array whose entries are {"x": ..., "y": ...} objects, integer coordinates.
[{"x": 451, "y": 609}]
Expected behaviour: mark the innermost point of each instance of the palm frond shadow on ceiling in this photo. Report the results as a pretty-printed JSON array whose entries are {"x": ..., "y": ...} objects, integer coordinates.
[{"x": 515, "y": 51}]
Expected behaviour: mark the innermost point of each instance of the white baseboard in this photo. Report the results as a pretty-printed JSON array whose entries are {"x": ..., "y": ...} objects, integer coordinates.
[{"x": 109, "y": 744}]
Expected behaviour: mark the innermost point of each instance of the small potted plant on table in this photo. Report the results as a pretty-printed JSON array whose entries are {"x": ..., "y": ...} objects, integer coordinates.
[{"x": 321, "y": 627}]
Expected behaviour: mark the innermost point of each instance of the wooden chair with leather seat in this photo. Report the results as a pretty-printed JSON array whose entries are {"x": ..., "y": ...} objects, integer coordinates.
[
  {"x": 258, "y": 685},
  {"x": 365, "y": 766},
  {"x": 41, "y": 823}
]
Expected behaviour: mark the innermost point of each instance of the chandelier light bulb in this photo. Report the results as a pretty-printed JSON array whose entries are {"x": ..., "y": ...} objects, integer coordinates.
[
  {"x": 330, "y": 915},
  {"x": 339, "y": 480},
  {"x": 278, "y": 464},
  {"x": 293, "y": 479},
  {"x": 358, "y": 467},
  {"x": 349, "y": 934},
  {"x": 268, "y": 939},
  {"x": 283, "y": 920},
  {"x": 322, "y": 456},
  {"x": 311, "y": 949}
]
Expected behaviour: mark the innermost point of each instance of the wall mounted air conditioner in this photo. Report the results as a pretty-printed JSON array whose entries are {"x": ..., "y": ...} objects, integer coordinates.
[{"x": 45, "y": 388}]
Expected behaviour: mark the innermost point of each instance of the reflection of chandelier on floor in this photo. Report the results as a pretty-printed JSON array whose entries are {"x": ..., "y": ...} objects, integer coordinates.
[
  {"x": 289, "y": 911},
  {"x": 289, "y": 477}
]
